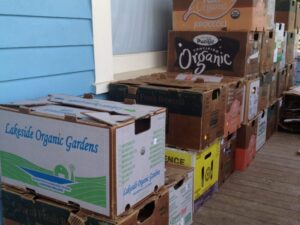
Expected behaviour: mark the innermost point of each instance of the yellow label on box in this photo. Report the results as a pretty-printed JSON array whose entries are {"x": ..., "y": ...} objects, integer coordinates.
[{"x": 205, "y": 164}]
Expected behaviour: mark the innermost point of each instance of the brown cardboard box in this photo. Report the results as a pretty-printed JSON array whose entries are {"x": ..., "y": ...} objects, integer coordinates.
[
  {"x": 226, "y": 53},
  {"x": 297, "y": 20},
  {"x": 251, "y": 99},
  {"x": 272, "y": 119},
  {"x": 230, "y": 15},
  {"x": 286, "y": 13},
  {"x": 290, "y": 48},
  {"x": 195, "y": 111},
  {"x": 228, "y": 147},
  {"x": 180, "y": 183},
  {"x": 270, "y": 16},
  {"x": 261, "y": 136},
  {"x": 267, "y": 51},
  {"x": 273, "y": 85},
  {"x": 264, "y": 90},
  {"x": 245, "y": 134},
  {"x": 25, "y": 208},
  {"x": 235, "y": 95},
  {"x": 281, "y": 82},
  {"x": 291, "y": 76}
]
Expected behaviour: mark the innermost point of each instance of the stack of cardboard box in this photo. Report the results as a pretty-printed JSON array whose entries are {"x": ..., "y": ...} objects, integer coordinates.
[{"x": 67, "y": 158}]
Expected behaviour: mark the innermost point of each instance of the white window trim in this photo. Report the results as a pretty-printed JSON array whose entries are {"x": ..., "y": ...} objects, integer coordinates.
[
  {"x": 103, "y": 53},
  {"x": 109, "y": 67}
]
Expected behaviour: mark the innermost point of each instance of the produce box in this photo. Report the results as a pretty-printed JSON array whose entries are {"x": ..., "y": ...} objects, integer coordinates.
[
  {"x": 291, "y": 76},
  {"x": 270, "y": 17},
  {"x": 267, "y": 51},
  {"x": 205, "y": 164},
  {"x": 297, "y": 20},
  {"x": 230, "y": 15},
  {"x": 26, "y": 208},
  {"x": 286, "y": 13},
  {"x": 251, "y": 99},
  {"x": 272, "y": 119},
  {"x": 290, "y": 48},
  {"x": 225, "y": 53},
  {"x": 261, "y": 137},
  {"x": 281, "y": 81},
  {"x": 264, "y": 90},
  {"x": 195, "y": 111},
  {"x": 279, "y": 42},
  {"x": 180, "y": 183},
  {"x": 273, "y": 85},
  {"x": 227, "y": 157},
  {"x": 246, "y": 146},
  {"x": 235, "y": 95},
  {"x": 104, "y": 156}
]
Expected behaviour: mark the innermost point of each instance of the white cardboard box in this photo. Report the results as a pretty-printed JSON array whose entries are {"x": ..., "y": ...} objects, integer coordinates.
[
  {"x": 104, "y": 156},
  {"x": 261, "y": 130},
  {"x": 180, "y": 182}
]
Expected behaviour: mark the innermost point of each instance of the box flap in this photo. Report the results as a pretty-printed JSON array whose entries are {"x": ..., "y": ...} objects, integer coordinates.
[
  {"x": 108, "y": 118},
  {"x": 58, "y": 110},
  {"x": 193, "y": 77},
  {"x": 34, "y": 102},
  {"x": 135, "y": 111}
]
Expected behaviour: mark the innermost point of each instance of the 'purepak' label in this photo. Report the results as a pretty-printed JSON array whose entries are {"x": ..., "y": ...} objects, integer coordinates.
[{"x": 206, "y": 52}]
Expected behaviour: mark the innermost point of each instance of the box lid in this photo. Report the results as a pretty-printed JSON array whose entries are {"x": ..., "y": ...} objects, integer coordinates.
[{"x": 104, "y": 111}]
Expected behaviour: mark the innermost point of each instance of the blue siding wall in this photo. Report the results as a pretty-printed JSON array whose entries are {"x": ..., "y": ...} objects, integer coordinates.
[
  {"x": 140, "y": 25},
  {"x": 46, "y": 46}
]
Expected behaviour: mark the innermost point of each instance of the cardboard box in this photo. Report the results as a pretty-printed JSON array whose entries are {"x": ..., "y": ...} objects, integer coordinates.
[
  {"x": 272, "y": 119},
  {"x": 279, "y": 42},
  {"x": 270, "y": 17},
  {"x": 296, "y": 44},
  {"x": 264, "y": 90},
  {"x": 205, "y": 164},
  {"x": 235, "y": 96},
  {"x": 281, "y": 82},
  {"x": 246, "y": 145},
  {"x": 180, "y": 183},
  {"x": 25, "y": 208},
  {"x": 261, "y": 129},
  {"x": 225, "y": 53},
  {"x": 251, "y": 99},
  {"x": 282, "y": 62},
  {"x": 286, "y": 13},
  {"x": 85, "y": 151},
  {"x": 195, "y": 111},
  {"x": 273, "y": 85},
  {"x": 290, "y": 48},
  {"x": 291, "y": 76},
  {"x": 297, "y": 20},
  {"x": 267, "y": 51},
  {"x": 230, "y": 15},
  {"x": 227, "y": 157}
]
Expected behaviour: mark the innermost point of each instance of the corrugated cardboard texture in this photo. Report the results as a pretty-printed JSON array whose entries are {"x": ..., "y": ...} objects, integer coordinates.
[
  {"x": 290, "y": 48},
  {"x": 180, "y": 181},
  {"x": 20, "y": 209},
  {"x": 285, "y": 13},
  {"x": 272, "y": 123},
  {"x": 245, "y": 133},
  {"x": 264, "y": 90},
  {"x": 195, "y": 111},
  {"x": 224, "y": 53},
  {"x": 227, "y": 153},
  {"x": 231, "y": 15},
  {"x": 267, "y": 51}
]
